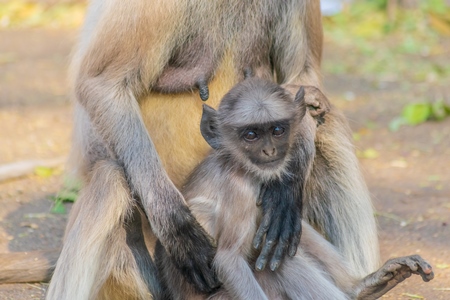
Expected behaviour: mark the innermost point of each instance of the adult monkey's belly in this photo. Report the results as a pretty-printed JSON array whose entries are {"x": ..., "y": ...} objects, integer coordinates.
[{"x": 173, "y": 122}]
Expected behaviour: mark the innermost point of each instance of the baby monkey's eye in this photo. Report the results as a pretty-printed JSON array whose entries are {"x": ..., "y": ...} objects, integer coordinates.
[
  {"x": 250, "y": 135},
  {"x": 278, "y": 130}
]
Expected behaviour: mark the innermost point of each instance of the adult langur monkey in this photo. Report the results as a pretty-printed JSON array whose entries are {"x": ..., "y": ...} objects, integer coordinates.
[
  {"x": 136, "y": 69},
  {"x": 258, "y": 131}
]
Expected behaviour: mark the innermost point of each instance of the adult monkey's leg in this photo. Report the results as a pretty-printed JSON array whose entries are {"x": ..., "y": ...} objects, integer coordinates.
[
  {"x": 96, "y": 247},
  {"x": 337, "y": 201}
]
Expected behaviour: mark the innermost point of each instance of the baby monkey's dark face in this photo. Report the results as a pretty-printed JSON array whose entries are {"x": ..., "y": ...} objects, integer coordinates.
[
  {"x": 265, "y": 145},
  {"x": 253, "y": 128}
]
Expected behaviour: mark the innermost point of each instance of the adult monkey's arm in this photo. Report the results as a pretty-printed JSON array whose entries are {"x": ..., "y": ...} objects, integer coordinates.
[{"x": 121, "y": 55}]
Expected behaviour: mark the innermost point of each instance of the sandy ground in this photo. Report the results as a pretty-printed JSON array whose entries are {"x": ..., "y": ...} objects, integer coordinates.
[{"x": 408, "y": 180}]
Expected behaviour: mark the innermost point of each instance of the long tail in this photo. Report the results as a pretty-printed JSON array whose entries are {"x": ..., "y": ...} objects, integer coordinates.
[{"x": 34, "y": 266}]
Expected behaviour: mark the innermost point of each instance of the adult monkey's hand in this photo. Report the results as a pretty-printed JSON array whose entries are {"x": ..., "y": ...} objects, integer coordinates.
[{"x": 192, "y": 250}]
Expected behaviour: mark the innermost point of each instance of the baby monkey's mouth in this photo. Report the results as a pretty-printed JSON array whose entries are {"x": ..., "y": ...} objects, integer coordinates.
[{"x": 270, "y": 164}]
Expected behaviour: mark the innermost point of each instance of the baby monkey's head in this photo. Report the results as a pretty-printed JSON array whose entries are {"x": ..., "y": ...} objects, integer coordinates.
[{"x": 255, "y": 126}]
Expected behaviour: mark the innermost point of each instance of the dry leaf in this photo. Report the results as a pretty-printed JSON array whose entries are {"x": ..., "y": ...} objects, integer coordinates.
[
  {"x": 413, "y": 296},
  {"x": 369, "y": 153},
  {"x": 399, "y": 164},
  {"x": 439, "y": 24},
  {"x": 442, "y": 266}
]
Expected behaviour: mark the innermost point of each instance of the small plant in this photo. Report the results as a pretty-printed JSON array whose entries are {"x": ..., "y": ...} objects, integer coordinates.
[
  {"x": 68, "y": 193},
  {"x": 418, "y": 113}
]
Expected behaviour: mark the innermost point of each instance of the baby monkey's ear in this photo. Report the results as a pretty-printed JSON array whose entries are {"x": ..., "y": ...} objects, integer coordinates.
[{"x": 208, "y": 126}]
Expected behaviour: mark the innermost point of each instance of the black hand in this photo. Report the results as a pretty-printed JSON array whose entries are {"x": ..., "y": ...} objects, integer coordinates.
[
  {"x": 192, "y": 251},
  {"x": 281, "y": 202}
]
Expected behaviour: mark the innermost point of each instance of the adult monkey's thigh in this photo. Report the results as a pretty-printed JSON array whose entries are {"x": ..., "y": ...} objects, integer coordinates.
[{"x": 102, "y": 224}]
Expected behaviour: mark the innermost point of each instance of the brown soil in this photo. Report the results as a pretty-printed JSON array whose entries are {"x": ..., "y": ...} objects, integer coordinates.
[{"x": 408, "y": 180}]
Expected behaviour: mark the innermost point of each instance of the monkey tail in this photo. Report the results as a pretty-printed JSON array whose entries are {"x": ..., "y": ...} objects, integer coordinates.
[
  {"x": 34, "y": 266},
  {"x": 95, "y": 232}
]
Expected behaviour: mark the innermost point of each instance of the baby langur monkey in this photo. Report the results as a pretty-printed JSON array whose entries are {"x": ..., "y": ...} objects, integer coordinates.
[{"x": 259, "y": 130}]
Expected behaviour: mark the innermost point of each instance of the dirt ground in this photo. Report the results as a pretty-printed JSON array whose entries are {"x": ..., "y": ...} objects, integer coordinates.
[{"x": 408, "y": 177}]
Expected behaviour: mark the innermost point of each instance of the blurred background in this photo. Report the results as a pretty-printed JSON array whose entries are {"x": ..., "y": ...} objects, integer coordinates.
[{"x": 386, "y": 65}]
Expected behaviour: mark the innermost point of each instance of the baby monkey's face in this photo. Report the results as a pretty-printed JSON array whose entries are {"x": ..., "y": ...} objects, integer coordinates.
[{"x": 265, "y": 145}]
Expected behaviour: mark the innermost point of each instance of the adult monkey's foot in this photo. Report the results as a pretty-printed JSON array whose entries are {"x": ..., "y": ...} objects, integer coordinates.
[{"x": 392, "y": 273}]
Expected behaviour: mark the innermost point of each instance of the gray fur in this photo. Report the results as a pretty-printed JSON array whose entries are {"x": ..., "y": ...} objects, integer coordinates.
[{"x": 126, "y": 49}]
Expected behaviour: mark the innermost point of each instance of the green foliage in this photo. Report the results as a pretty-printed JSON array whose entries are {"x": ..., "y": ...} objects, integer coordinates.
[
  {"x": 68, "y": 193},
  {"x": 436, "y": 6},
  {"x": 418, "y": 113},
  {"x": 58, "y": 208},
  {"x": 385, "y": 49}
]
